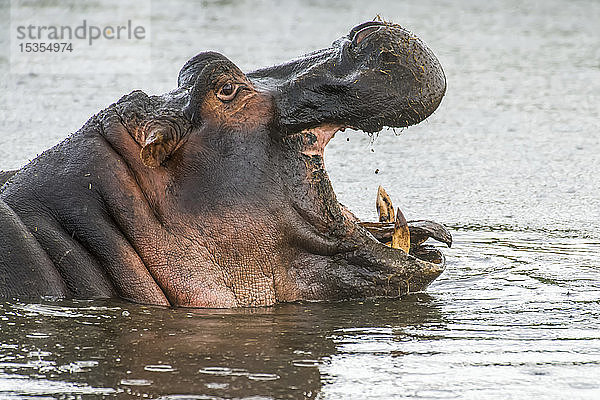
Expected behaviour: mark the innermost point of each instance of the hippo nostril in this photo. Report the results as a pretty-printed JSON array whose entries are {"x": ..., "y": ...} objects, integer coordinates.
[
  {"x": 364, "y": 25},
  {"x": 363, "y": 33}
]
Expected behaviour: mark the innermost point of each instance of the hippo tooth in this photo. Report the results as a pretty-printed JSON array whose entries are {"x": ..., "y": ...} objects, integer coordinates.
[
  {"x": 385, "y": 209},
  {"x": 401, "y": 235}
]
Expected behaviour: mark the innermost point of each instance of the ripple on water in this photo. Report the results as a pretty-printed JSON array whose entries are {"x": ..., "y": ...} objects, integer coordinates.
[
  {"x": 159, "y": 368},
  {"x": 19, "y": 386},
  {"x": 188, "y": 397},
  {"x": 37, "y": 335},
  {"x": 305, "y": 363},
  {"x": 136, "y": 382},
  {"x": 225, "y": 371},
  {"x": 222, "y": 371},
  {"x": 263, "y": 377},
  {"x": 216, "y": 385}
]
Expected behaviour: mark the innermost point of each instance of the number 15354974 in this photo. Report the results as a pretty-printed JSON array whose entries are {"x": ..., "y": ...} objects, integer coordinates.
[{"x": 41, "y": 47}]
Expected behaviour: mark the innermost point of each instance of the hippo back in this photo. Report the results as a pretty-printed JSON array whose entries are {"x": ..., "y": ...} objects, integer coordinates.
[
  {"x": 24, "y": 270},
  {"x": 5, "y": 176}
]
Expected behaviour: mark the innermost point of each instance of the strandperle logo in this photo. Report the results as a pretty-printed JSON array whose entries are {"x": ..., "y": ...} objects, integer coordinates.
[
  {"x": 84, "y": 31},
  {"x": 80, "y": 37}
]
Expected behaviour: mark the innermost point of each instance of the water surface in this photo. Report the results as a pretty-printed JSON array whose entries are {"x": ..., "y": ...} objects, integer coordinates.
[{"x": 509, "y": 163}]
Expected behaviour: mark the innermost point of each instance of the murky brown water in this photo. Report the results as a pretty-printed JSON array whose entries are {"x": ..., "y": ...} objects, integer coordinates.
[{"x": 509, "y": 162}]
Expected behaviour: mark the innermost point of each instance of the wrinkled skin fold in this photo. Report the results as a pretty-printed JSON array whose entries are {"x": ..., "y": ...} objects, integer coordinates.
[{"x": 216, "y": 195}]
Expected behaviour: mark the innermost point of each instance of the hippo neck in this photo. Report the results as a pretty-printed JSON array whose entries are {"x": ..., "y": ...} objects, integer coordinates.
[{"x": 205, "y": 237}]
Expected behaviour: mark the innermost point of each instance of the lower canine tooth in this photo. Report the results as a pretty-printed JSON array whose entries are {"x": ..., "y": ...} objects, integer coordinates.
[
  {"x": 401, "y": 235},
  {"x": 385, "y": 209}
]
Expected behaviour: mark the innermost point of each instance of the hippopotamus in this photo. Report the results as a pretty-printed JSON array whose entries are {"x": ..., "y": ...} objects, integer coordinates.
[{"x": 215, "y": 194}]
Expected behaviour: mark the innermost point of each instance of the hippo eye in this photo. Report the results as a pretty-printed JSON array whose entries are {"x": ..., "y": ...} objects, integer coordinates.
[{"x": 227, "y": 91}]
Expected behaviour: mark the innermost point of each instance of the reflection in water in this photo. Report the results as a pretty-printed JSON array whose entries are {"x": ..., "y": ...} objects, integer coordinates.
[{"x": 106, "y": 347}]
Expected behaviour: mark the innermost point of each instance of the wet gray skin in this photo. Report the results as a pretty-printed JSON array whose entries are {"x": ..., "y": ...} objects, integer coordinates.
[
  {"x": 216, "y": 195},
  {"x": 5, "y": 176}
]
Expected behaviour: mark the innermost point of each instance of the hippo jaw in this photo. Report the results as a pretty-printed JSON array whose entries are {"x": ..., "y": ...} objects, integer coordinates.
[
  {"x": 378, "y": 75},
  {"x": 361, "y": 260}
]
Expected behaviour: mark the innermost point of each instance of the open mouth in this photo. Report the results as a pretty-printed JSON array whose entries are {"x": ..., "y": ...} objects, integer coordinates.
[
  {"x": 379, "y": 75},
  {"x": 392, "y": 229}
]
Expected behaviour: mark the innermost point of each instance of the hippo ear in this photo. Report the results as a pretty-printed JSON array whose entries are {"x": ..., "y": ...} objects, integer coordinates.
[
  {"x": 162, "y": 136},
  {"x": 156, "y": 149}
]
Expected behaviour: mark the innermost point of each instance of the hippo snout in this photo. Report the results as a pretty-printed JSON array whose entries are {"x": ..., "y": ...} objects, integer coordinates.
[{"x": 378, "y": 75}]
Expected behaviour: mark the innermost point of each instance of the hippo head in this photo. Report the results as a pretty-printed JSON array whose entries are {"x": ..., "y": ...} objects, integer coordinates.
[{"x": 239, "y": 171}]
